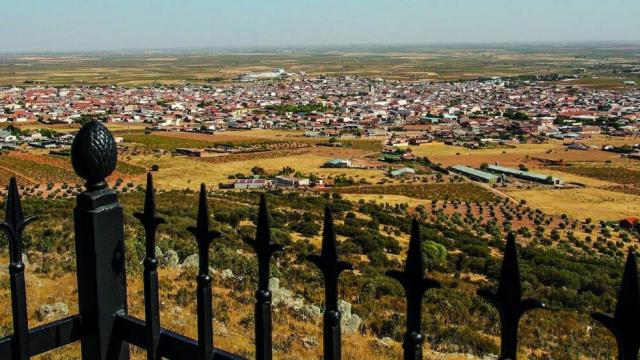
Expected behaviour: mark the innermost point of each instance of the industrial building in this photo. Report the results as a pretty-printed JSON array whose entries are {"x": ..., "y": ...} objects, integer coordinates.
[
  {"x": 526, "y": 175},
  {"x": 475, "y": 174}
]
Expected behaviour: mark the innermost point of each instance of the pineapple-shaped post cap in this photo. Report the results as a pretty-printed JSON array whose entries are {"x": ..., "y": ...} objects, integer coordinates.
[{"x": 94, "y": 154}]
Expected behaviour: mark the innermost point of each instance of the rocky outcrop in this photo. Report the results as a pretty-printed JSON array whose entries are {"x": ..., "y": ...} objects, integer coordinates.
[
  {"x": 350, "y": 323},
  {"x": 53, "y": 311},
  {"x": 227, "y": 274},
  {"x": 191, "y": 261},
  {"x": 284, "y": 298},
  {"x": 170, "y": 259}
]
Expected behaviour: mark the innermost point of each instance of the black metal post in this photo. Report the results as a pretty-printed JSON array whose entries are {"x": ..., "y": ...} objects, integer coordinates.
[
  {"x": 204, "y": 236},
  {"x": 415, "y": 284},
  {"x": 331, "y": 268},
  {"x": 508, "y": 300},
  {"x": 150, "y": 222},
  {"x": 624, "y": 323},
  {"x": 264, "y": 249},
  {"x": 100, "y": 255},
  {"x": 14, "y": 225}
]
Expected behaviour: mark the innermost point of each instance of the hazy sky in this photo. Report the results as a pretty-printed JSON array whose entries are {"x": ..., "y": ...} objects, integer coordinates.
[{"x": 46, "y": 25}]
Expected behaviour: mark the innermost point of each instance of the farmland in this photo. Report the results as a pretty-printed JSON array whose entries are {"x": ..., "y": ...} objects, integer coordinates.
[
  {"x": 452, "y": 191},
  {"x": 613, "y": 174},
  {"x": 433, "y": 63}
]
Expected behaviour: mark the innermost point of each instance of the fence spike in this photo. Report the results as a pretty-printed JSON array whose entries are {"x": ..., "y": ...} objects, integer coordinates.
[
  {"x": 331, "y": 268},
  {"x": 150, "y": 221},
  {"x": 204, "y": 237},
  {"x": 415, "y": 285},
  {"x": 14, "y": 225},
  {"x": 264, "y": 250},
  {"x": 623, "y": 324},
  {"x": 508, "y": 300}
]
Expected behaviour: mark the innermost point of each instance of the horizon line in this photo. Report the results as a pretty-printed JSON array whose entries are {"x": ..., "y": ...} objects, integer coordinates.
[{"x": 318, "y": 46}]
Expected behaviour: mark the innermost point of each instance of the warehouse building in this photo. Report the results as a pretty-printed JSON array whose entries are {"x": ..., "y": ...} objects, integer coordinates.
[
  {"x": 526, "y": 175},
  {"x": 475, "y": 174}
]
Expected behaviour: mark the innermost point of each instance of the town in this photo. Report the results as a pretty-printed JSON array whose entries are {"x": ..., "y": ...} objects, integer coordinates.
[{"x": 357, "y": 180}]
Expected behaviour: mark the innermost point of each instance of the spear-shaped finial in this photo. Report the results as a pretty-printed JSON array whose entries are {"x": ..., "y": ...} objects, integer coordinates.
[
  {"x": 331, "y": 267},
  {"x": 415, "y": 285},
  {"x": 150, "y": 222},
  {"x": 264, "y": 249},
  {"x": 624, "y": 323},
  {"x": 201, "y": 231},
  {"x": 262, "y": 244},
  {"x": 508, "y": 300},
  {"x": 149, "y": 218},
  {"x": 14, "y": 221},
  {"x": 204, "y": 236},
  {"x": 14, "y": 225}
]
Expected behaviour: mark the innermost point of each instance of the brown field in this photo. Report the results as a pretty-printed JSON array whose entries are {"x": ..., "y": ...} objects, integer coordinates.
[
  {"x": 231, "y": 136},
  {"x": 581, "y": 203},
  {"x": 449, "y": 155}
]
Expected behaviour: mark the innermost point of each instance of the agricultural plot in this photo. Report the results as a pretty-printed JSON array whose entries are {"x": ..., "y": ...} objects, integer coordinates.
[
  {"x": 37, "y": 169},
  {"x": 596, "y": 203},
  {"x": 32, "y": 169},
  {"x": 618, "y": 175},
  {"x": 163, "y": 142},
  {"x": 464, "y": 191},
  {"x": 407, "y": 63}
]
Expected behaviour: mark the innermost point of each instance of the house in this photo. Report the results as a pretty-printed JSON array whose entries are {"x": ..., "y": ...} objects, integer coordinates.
[
  {"x": 337, "y": 163},
  {"x": 244, "y": 184},
  {"x": 291, "y": 181},
  {"x": 630, "y": 222},
  {"x": 403, "y": 172}
]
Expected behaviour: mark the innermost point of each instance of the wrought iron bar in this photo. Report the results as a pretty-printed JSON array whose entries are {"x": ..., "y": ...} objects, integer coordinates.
[
  {"x": 172, "y": 345},
  {"x": 46, "y": 337},
  {"x": 264, "y": 249},
  {"x": 14, "y": 225},
  {"x": 508, "y": 300},
  {"x": 204, "y": 236},
  {"x": 415, "y": 285},
  {"x": 624, "y": 323},
  {"x": 150, "y": 222},
  {"x": 331, "y": 268}
]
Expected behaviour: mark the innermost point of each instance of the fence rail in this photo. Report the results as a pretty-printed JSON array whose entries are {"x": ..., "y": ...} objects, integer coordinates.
[{"x": 104, "y": 328}]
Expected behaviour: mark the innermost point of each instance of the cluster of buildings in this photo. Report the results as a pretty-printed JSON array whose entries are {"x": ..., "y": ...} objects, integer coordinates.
[
  {"x": 472, "y": 112},
  {"x": 10, "y": 141},
  {"x": 281, "y": 181}
]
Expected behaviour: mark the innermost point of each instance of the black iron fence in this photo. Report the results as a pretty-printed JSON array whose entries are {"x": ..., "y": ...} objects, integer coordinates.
[{"x": 105, "y": 329}]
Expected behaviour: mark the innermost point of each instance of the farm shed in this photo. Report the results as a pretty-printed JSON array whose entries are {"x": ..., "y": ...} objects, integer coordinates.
[
  {"x": 290, "y": 181},
  {"x": 337, "y": 163},
  {"x": 526, "y": 175},
  {"x": 242, "y": 184},
  {"x": 402, "y": 172},
  {"x": 475, "y": 174}
]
